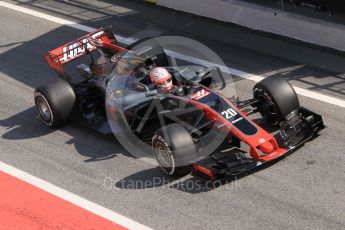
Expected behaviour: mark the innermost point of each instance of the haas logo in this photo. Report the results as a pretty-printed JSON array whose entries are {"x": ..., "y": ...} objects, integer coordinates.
[
  {"x": 200, "y": 94},
  {"x": 77, "y": 49}
]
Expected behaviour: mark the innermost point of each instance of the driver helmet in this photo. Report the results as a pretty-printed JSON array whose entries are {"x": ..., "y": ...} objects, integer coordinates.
[{"x": 162, "y": 79}]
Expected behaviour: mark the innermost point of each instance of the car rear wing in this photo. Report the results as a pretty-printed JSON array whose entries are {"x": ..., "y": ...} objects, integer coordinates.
[{"x": 66, "y": 53}]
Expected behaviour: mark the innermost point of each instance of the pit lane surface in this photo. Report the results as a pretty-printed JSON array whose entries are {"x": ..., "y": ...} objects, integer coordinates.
[{"x": 305, "y": 190}]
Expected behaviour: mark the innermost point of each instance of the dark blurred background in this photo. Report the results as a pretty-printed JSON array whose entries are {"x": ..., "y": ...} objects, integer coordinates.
[
  {"x": 329, "y": 7},
  {"x": 327, "y": 10}
]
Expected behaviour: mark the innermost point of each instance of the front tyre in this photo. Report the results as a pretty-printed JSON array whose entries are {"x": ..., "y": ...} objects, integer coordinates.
[
  {"x": 277, "y": 99},
  {"x": 55, "y": 102},
  {"x": 174, "y": 149}
]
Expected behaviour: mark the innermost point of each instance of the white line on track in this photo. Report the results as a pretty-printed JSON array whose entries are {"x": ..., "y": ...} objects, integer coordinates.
[
  {"x": 73, "y": 198},
  {"x": 126, "y": 40}
]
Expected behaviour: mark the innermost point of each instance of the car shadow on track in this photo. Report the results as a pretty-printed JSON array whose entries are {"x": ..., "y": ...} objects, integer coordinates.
[
  {"x": 155, "y": 178},
  {"x": 23, "y": 126},
  {"x": 146, "y": 179},
  {"x": 195, "y": 185},
  {"x": 88, "y": 143}
]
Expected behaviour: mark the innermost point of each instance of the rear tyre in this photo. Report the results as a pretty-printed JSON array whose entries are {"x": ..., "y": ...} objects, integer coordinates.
[
  {"x": 277, "y": 99},
  {"x": 55, "y": 102},
  {"x": 174, "y": 149}
]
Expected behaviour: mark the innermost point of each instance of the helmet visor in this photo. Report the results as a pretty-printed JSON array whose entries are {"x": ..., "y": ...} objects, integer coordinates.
[{"x": 166, "y": 83}]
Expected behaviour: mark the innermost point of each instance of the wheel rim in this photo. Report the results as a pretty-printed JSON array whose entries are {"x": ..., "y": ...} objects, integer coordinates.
[
  {"x": 268, "y": 108},
  {"x": 164, "y": 157},
  {"x": 44, "y": 109}
]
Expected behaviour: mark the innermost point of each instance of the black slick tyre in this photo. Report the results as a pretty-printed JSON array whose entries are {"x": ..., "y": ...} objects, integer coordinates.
[
  {"x": 55, "y": 102},
  {"x": 174, "y": 149},
  {"x": 277, "y": 99}
]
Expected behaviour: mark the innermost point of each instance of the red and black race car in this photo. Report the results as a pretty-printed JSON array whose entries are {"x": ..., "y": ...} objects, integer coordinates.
[{"x": 192, "y": 128}]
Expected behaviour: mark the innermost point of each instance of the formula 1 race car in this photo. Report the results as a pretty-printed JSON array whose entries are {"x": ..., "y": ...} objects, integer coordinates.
[{"x": 192, "y": 128}]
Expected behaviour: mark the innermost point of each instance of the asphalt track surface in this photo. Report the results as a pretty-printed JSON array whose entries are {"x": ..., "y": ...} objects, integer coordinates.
[{"x": 302, "y": 191}]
